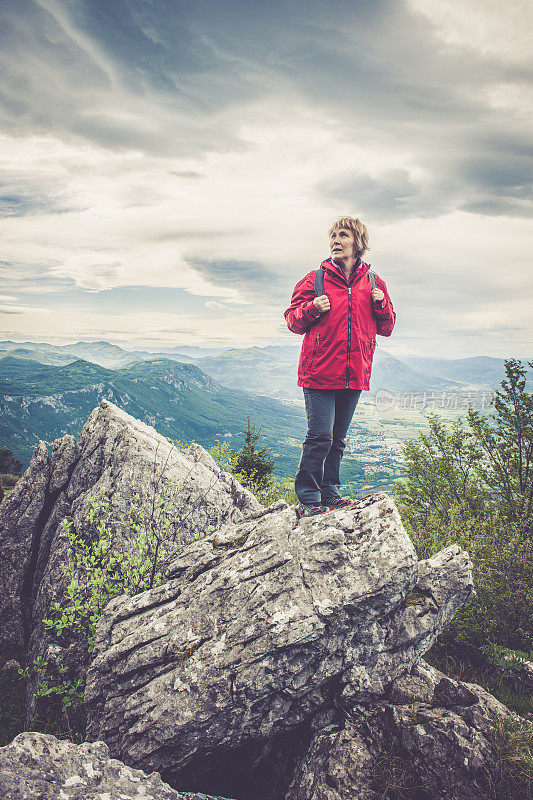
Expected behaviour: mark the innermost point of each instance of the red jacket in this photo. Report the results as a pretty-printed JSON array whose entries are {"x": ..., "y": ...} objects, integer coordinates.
[{"x": 337, "y": 350}]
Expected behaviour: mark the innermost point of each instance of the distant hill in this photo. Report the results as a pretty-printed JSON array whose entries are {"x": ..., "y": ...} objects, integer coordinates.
[
  {"x": 476, "y": 371},
  {"x": 40, "y": 401},
  {"x": 103, "y": 353},
  {"x": 273, "y": 371},
  {"x": 49, "y": 390},
  {"x": 192, "y": 351},
  {"x": 33, "y": 354}
]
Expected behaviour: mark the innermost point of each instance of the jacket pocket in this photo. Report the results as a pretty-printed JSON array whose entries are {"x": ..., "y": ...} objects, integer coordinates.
[
  {"x": 370, "y": 347},
  {"x": 317, "y": 341}
]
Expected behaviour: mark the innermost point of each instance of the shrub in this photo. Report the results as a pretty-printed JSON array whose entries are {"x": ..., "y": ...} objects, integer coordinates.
[
  {"x": 510, "y": 773},
  {"x": 8, "y": 463},
  {"x": 125, "y": 555},
  {"x": 120, "y": 553},
  {"x": 472, "y": 483},
  {"x": 254, "y": 469}
]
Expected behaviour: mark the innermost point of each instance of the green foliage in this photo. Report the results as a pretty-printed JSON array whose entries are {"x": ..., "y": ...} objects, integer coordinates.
[
  {"x": 486, "y": 466},
  {"x": 8, "y": 463},
  {"x": 472, "y": 484},
  {"x": 120, "y": 553},
  {"x": 270, "y": 489},
  {"x": 393, "y": 776},
  {"x": 9, "y": 480},
  {"x": 10, "y": 469},
  {"x": 509, "y": 774},
  {"x": 223, "y": 453},
  {"x": 506, "y": 440},
  {"x": 252, "y": 467},
  {"x": 12, "y": 689}
]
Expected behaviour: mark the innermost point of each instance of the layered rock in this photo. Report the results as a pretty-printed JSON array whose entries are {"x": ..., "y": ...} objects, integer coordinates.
[
  {"x": 428, "y": 737},
  {"x": 25, "y": 536},
  {"x": 37, "y": 765},
  {"x": 218, "y": 677},
  {"x": 124, "y": 460}
]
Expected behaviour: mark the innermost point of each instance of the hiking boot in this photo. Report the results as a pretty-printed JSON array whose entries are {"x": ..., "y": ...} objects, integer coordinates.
[
  {"x": 310, "y": 511},
  {"x": 334, "y": 503}
]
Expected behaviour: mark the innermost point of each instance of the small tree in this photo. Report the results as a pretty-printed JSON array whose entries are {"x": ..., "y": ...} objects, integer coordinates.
[
  {"x": 8, "y": 463},
  {"x": 484, "y": 467},
  {"x": 472, "y": 484},
  {"x": 253, "y": 467},
  {"x": 506, "y": 441}
]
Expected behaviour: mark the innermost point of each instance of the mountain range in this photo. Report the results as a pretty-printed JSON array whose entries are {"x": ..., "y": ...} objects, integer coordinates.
[
  {"x": 42, "y": 401},
  {"x": 271, "y": 370},
  {"x": 193, "y": 393}
]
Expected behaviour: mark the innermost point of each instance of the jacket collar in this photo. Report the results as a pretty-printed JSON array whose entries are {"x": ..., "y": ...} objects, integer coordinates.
[{"x": 333, "y": 269}]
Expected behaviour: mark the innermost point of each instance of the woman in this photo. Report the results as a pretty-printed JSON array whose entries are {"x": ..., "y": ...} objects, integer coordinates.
[{"x": 339, "y": 327}]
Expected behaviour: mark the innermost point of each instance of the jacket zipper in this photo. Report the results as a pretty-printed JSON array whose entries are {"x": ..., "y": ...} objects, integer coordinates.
[
  {"x": 349, "y": 335},
  {"x": 314, "y": 351}
]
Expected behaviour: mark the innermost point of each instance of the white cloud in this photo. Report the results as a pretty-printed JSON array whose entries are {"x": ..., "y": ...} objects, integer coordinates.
[
  {"x": 17, "y": 309},
  {"x": 247, "y": 155},
  {"x": 499, "y": 29}
]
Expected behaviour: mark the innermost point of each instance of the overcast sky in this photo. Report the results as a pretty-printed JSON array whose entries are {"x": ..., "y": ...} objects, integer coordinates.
[{"x": 170, "y": 169}]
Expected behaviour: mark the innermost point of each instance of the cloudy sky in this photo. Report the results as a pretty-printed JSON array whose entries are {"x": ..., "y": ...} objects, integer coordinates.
[{"x": 170, "y": 168}]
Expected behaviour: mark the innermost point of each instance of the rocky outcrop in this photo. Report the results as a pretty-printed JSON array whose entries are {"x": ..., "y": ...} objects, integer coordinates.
[
  {"x": 217, "y": 678},
  {"x": 24, "y": 536},
  {"x": 428, "y": 734},
  {"x": 280, "y": 660},
  {"x": 37, "y": 765},
  {"x": 125, "y": 460}
]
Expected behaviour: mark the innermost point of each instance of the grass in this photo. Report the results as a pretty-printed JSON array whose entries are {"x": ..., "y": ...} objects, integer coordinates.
[
  {"x": 12, "y": 692},
  {"x": 509, "y": 774},
  {"x": 393, "y": 777},
  {"x": 467, "y": 664}
]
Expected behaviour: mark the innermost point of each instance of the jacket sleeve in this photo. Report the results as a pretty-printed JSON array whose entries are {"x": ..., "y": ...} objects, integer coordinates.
[
  {"x": 301, "y": 313},
  {"x": 383, "y": 310}
]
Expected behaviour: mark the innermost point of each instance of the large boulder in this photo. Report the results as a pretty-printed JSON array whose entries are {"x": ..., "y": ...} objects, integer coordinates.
[
  {"x": 215, "y": 677},
  {"x": 122, "y": 459},
  {"x": 24, "y": 515},
  {"x": 428, "y": 737},
  {"x": 37, "y": 765}
]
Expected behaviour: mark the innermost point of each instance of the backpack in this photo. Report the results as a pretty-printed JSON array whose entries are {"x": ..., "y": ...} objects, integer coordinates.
[{"x": 319, "y": 280}]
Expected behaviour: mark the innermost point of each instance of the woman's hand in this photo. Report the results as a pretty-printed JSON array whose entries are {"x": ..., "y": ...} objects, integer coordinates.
[
  {"x": 322, "y": 303},
  {"x": 377, "y": 294}
]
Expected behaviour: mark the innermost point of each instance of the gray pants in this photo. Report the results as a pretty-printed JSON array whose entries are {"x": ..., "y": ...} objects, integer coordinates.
[{"x": 329, "y": 413}]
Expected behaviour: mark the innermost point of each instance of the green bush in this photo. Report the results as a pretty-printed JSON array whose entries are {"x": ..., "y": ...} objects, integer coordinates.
[
  {"x": 254, "y": 469},
  {"x": 509, "y": 774},
  {"x": 472, "y": 483},
  {"x": 120, "y": 553},
  {"x": 8, "y": 463},
  {"x": 126, "y": 554}
]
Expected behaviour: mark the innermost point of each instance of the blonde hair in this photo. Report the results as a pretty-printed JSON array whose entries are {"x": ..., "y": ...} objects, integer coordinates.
[{"x": 359, "y": 231}]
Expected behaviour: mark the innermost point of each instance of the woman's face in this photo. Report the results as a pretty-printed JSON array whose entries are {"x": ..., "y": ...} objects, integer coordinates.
[{"x": 342, "y": 245}]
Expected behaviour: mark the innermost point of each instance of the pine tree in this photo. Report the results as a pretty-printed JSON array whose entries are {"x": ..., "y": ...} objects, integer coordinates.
[
  {"x": 9, "y": 464},
  {"x": 253, "y": 466}
]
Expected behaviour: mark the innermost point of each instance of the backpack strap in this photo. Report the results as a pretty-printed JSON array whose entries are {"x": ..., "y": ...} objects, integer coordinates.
[{"x": 319, "y": 282}]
